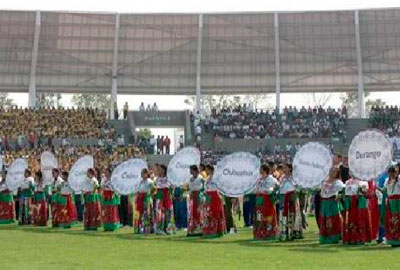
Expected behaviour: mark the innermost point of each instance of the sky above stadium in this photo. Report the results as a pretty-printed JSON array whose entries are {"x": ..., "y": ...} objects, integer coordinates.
[
  {"x": 181, "y": 6},
  {"x": 156, "y": 6}
]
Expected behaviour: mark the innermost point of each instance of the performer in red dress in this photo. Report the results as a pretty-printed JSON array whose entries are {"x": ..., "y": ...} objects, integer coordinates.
[
  {"x": 373, "y": 209},
  {"x": 392, "y": 218},
  {"x": 66, "y": 214},
  {"x": 7, "y": 204},
  {"x": 265, "y": 225},
  {"x": 55, "y": 196},
  {"x": 214, "y": 224},
  {"x": 195, "y": 187},
  {"x": 163, "y": 207},
  {"x": 92, "y": 212},
  {"x": 357, "y": 219},
  {"x": 109, "y": 204},
  {"x": 39, "y": 204},
  {"x": 143, "y": 222}
]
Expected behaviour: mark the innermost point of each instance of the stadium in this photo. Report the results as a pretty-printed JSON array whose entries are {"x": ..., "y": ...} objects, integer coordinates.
[{"x": 224, "y": 140}]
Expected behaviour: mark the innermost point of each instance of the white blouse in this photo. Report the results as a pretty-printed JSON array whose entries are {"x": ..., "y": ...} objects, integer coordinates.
[
  {"x": 65, "y": 189},
  {"x": 393, "y": 188},
  {"x": 145, "y": 186},
  {"x": 210, "y": 185},
  {"x": 106, "y": 185},
  {"x": 266, "y": 185},
  {"x": 162, "y": 182},
  {"x": 91, "y": 184},
  {"x": 58, "y": 182},
  {"x": 352, "y": 187},
  {"x": 3, "y": 186},
  {"x": 196, "y": 184},
  {"x": 27, "y": 183},
  {"x": 287, "y": 185},
  {"x": 329, "y": 190},
  {"x": 40, "y": 187}
]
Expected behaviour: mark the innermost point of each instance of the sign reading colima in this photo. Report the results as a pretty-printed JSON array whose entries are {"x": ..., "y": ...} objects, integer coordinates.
[{"x": 127, "y": 175}]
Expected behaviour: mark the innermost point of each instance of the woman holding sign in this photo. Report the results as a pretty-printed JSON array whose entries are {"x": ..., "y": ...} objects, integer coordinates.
[
  {"x": 392, "y": 224},
  {"x": 195, "y": 187},
  {"x": 40, "y": 205},
  {"x": 214, "y": 224},
  {"x": 109, "y": 204},
  {"x": 330, "y": 220},
  {"x": 290, "y": 217},
  {"x": 357, "y": 220},
  {"x": 7, "y": 214},
  {"x": 144, "y": 211},
  {"x": 66, "y": 214},
  {"x": 92, "y": 212},
  {"x": 265, "y": 226},
  {"x": 163, "y": 203},
  {"x": 25, "y": 199}
]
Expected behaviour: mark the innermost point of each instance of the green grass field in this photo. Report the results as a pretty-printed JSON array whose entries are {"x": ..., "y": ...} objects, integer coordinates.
[{"x": 47, "y": 248}]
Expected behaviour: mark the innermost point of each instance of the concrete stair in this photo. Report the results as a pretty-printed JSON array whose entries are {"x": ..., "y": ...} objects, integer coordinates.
[{"x": 122, "y": 127}]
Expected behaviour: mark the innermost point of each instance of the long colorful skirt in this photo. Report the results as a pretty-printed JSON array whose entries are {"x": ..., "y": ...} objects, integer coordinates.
[
  {"x": 109, "y": 207},
  {"x": 374, "y": 212},
  {"x": 7, "y": 213},
  {"x": 92, "y": 212},
  {"x": 194, "y": 214},
  {"x": 25, "y": 207},
  {"x": 356, "y": 221},
  {"x": 40, "y": 209},
  {"x": 143, "y": 223},
  {"x": 392, "y": 220},
  {"x": 330, "y": 221},
  {"x": 290, "y": 219},
  {"x": 265, "y": 225},
  {"x": 53, "y": 209},
  {"x": 163, "y": 211},
  {"x": 213, "y": 216},
  {"x": 66, "y": 214}
]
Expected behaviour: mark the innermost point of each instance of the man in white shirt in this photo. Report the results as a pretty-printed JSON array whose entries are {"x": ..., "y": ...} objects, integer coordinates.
[{"x": 141, "y": 108}]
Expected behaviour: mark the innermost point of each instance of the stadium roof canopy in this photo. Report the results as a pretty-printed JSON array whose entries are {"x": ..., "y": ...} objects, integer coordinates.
[{"x": 238, "y": 53}]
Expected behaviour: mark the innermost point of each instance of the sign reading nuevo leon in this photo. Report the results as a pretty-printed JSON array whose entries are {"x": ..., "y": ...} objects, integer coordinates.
[
  {"x": 178, "y": 167},
  {"x": 370, "y": 153},
  {"x": 127, "y": 176},
  {"x": 311, "y": 165},
  {"x": 237, "y": 174}
]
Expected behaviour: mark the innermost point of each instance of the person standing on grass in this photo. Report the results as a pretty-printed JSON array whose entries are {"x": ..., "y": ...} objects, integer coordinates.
[
  {"x": 290, "y": 219},
  {"x": 330, "y": 219},
  {"x": 143, "y": 223},
  {"x": 66, "y": 214},
  {"x": 54, "y": 202},
  {"x": 163, "y": 207},
  {"x": 357, "y": 219},
  {"x": 265, "y": 226},
  {"x": 7, "y": 205},
  {"x": 214, "y": 224},
  {"x": 39, "y": 204},
  {"x": 195, "y": 187},
  {"x": 25, "y": 199},
  {"x": 109, "y": 204},
  {"x": 392, "y": 218},
  {"x": 92, "y": 212}
]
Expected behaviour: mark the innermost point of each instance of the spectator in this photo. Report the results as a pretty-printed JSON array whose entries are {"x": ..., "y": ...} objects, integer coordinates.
[
  {"x": 148, "y": 109},
  {"x": 121, "y": 141},
  {"x": 141, "y": 108},
  {"x": 126, "y": 109},
  {"x": 181, "y": 142},
  {"x": 158, "y": 145},
  {"x": 167, "y": 143},
  {"x": 153, "y": 142},
  {"x": 154, "y": 108}
]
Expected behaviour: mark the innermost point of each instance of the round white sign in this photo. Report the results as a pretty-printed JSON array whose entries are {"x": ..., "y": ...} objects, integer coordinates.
[
  {"x": 47, "y": 163},
  {"x": 237, "y": 174},
  {"x": 15, "y": 174},
  {"x": 370, "y": 153},
  {"x": 178, "y": 168},
  {"x": 311, "y": 165},
  {"x": 127, "y": 176},
  {"x": 78, "y": 174}
]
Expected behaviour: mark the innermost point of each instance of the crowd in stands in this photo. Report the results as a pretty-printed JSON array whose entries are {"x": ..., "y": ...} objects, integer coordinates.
[
  {"x": 36, "y": 127},
  {"x": 158, "y": 146},
  {"x": 243, "y": 122},
  {"x": 386, "y": 118}
]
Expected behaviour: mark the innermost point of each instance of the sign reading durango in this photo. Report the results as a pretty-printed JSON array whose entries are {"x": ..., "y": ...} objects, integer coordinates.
[
  {"x": 127, "y": 176},
  {"x": 178, "y": 167},
  {"x": 370, "y": 153},
  {"x": 237, "y": 174}
]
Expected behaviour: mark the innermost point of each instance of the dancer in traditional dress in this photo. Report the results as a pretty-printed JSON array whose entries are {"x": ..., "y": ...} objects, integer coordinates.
[
  {"x": 195, "y": 187},
  {"x": 214, "y": 224},
  {"x": 25, "y": 199},
  {"x": 265, "y": 226},
  {"x": 180, "y": 208},
  {"x": 66, "y": 214},
  {"x": 7, "y": 205},
  {"x": 330, "y": 219},
  {"x": 163, "y": 207},
  {"x": 109, "y": 204},
  {"x": 92, "y": 211},
  {"x": 290, "y": 217},
  {"x": 392, "y": 219},
  {"x": 55, "y": 196},
  {"x": 143, "y": 222},
  {"x": 357, "y": 219},
  {"x": 39, "y": 204}
]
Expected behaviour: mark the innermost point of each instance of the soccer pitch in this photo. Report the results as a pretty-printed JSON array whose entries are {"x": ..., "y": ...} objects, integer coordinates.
[{"x": 47, "y": 248}]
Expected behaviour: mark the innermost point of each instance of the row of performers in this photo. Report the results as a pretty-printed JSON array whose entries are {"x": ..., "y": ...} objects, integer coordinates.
[{"x": 348, "y": 212}]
